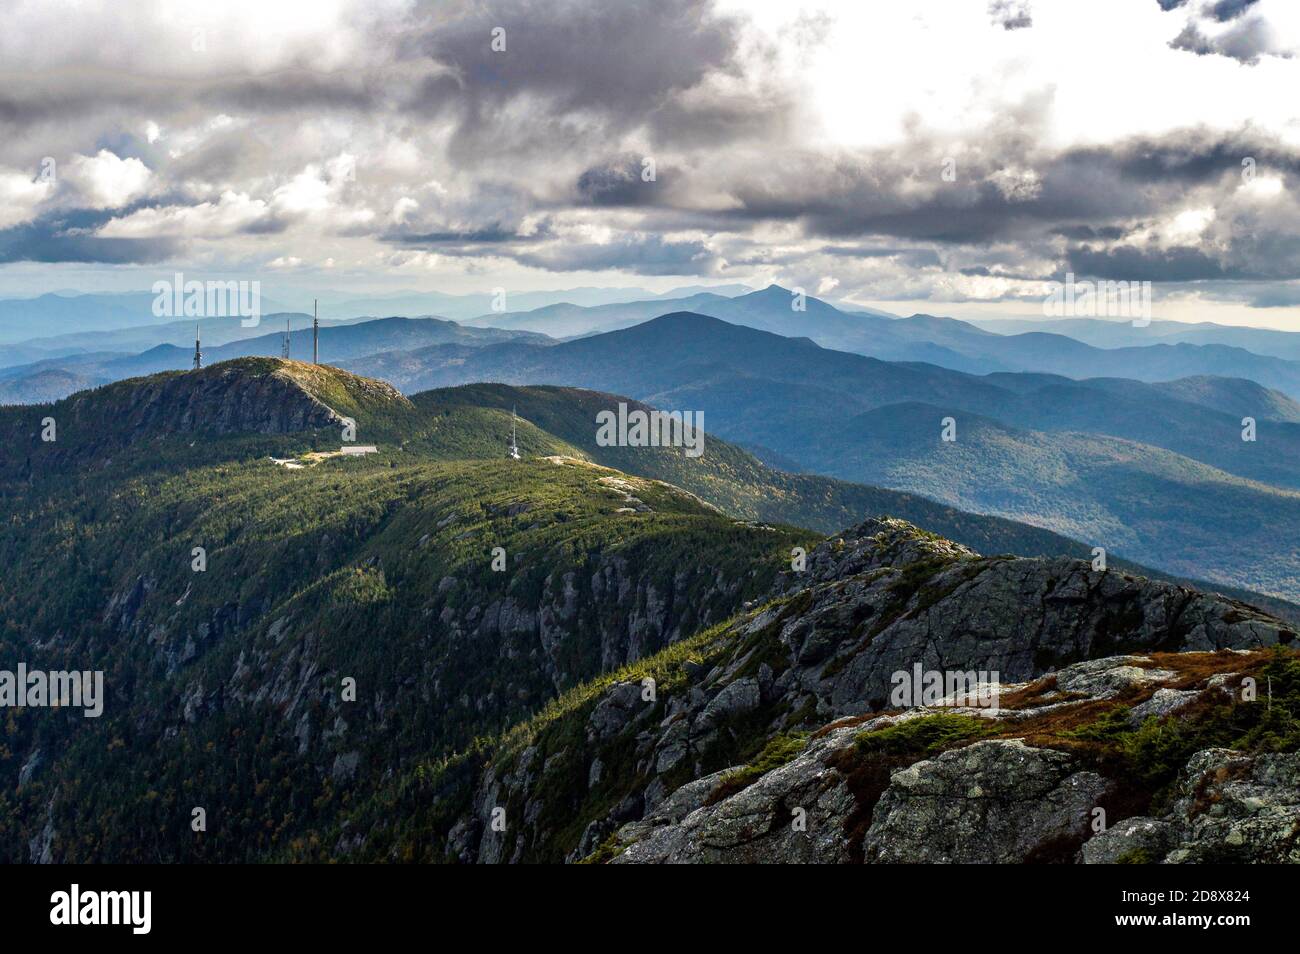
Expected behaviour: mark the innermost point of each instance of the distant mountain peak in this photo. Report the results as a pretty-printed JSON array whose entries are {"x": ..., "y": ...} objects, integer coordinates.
[
  {"x": 700, "y": 328},
  {"x": 685, "y": 316}
]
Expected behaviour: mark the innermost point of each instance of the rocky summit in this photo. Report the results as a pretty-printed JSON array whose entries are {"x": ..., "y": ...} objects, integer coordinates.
[{"x": 1131, "y": 724}]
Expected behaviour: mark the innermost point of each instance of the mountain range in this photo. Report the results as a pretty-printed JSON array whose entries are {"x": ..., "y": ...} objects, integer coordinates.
[
  {"x": 950, "y": 343},
  {"x": 345, "y": 657},
  {"x": 1111, "y": 333},
  {"x": 1156, "y": 472},
  {"x": 55, "y": 313},
  {"x": 65, "y": 322},
  {"x": 54, "y": 378},
  {"x": 1178, "y": 351}
]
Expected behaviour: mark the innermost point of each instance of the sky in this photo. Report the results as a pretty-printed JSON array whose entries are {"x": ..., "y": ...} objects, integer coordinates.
[{"x": 943, "y": 156}]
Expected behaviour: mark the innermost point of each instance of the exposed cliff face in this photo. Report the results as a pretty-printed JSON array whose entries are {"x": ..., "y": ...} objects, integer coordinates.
[
  {"x": 886, "y": 597},
  {"x": 493, "y": 655},
  {"x": 718, "y": 765}
]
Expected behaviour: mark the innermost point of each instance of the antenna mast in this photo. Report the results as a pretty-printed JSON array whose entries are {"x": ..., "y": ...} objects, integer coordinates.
[
  {"x": 284, "y": 350},
  {"x": 514, "y": 444},
  {"x": 198, "y": 352},
  {"x": 315, "y": 334}
]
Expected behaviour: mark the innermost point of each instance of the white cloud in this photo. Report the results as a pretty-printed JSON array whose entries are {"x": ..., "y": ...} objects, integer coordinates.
[
  {"x": 231, "y": 214},
  {"x": 402, "y": 209},
  {"x": 107, "y": 181},
  {"x": 305, "y": 192},
  {"x": 19, "y": 197},
  {"x": 323, "y": 195}
]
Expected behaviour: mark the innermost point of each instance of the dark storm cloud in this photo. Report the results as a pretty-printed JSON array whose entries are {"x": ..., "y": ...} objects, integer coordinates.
[
  {"x": 68, "y": 239},
  {"x": 875, "y": 197},
  {"x": 1083, "y": 199},
  {"x": 636, "y": 60},
  {"x": 619, "y": 182},
  {"x": 1168, "y": 265},
  {"x": 1281, "y": 261},
  {"x": 1191, "y": 156},
  {"x": 1124, "y": 179}
]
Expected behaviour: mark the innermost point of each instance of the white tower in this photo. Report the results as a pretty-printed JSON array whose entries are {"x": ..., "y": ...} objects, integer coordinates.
[
  {"x": 198, "y": 351},
  {"x": 514, "y": 444}
]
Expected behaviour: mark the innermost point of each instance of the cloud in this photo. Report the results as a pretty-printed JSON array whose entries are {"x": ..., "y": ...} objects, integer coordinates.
[
  {"x": 107, "y": 181},
  {"x": 233, "y": 213},
  {"x": 64, "y": 240},
  {"x": 639, "y": 254},
  {"x": 1275, "y": 296},
  {"x": 1225, "y": 10},
  {"x": 488, "y": 235},
  {"x": 389, "y": 136},
  {"x": 1011, "y": 14},
  {"x": 20, "y": 196},
  {"x": 1182, "y": 264},
  {"x": 625, "y": 181},
  {"x": 673, "y": 70},
  {"x": 1248, "y": 35}
]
